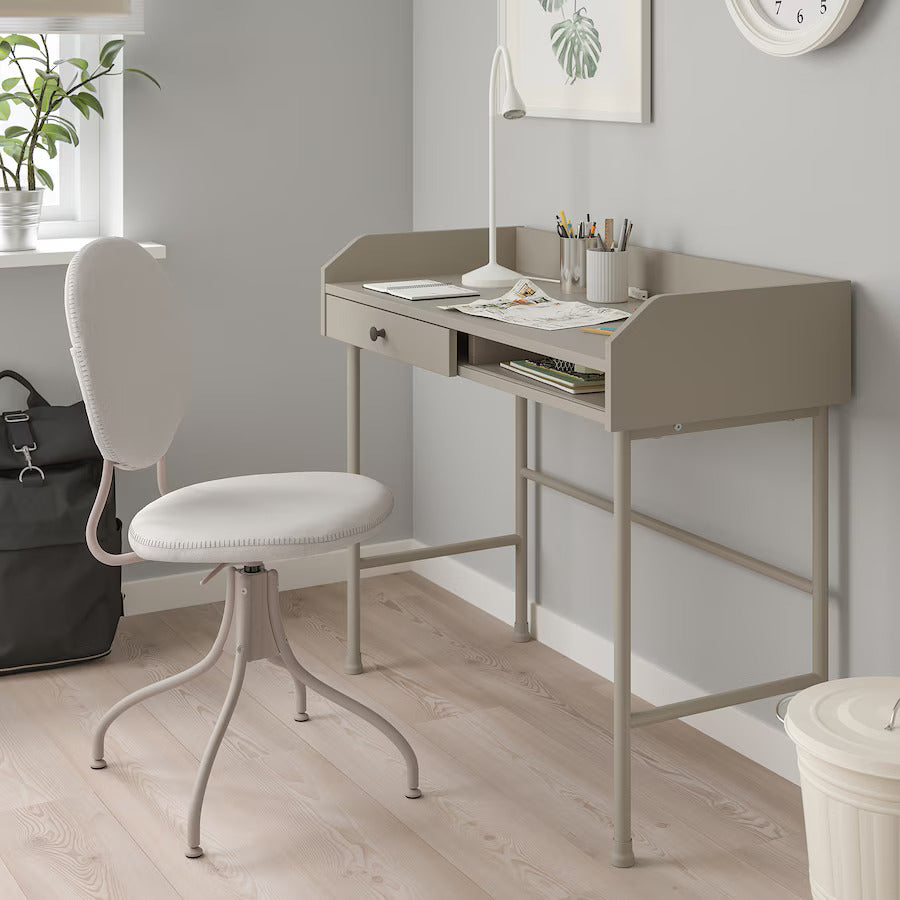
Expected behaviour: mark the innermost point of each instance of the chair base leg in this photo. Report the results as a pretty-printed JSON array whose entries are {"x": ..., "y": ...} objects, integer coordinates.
[
  {"x": 167, "y": 684},
  {"x": 252, "y": 601}
]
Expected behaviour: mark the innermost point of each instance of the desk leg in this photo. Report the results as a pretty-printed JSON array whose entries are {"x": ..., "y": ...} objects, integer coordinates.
[
  {"x": 820, "y": 544},
  {"x": 521, "y": 632},
  {"x": 353, "y": 662},
  {"x": 623, "y": 854}
]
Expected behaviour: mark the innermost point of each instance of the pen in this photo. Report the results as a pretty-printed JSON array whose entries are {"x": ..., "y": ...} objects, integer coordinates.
[
  {"x": 624, "y": 235},
  {"x": 628, "y": 235}
]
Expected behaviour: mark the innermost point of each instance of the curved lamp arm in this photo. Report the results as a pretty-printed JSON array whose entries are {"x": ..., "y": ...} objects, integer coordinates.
[{"x": 109, "y": 559}]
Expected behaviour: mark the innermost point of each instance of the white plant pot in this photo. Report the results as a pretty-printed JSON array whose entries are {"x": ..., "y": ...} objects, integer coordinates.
[{"x": 20, "y": 216}]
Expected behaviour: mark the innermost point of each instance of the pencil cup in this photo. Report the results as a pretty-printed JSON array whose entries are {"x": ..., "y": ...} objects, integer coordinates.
[
  {"x": 607, "y": 276},
  {"x": 572, "y": 263}
]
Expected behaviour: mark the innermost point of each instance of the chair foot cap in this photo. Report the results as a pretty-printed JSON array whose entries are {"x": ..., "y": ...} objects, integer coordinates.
[
  {"x": 413, "y": 793},
  {"x": 193, "y": 852},
  {"x": 301, "y": 717},
  {"x": 98, "y": 764}
]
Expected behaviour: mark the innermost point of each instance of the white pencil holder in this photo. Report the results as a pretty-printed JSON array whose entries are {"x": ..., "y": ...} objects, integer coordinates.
[{"x": 607, "y": 276}]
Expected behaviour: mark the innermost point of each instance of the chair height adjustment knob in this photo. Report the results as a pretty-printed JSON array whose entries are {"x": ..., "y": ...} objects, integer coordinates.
[{"x": 375, "y": 333}]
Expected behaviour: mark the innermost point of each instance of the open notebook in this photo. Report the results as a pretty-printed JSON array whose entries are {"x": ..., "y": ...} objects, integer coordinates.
[{"x": 420, "y": 290}]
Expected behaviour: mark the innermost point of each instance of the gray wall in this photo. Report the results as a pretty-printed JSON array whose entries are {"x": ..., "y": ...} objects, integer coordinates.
[
  {"x": 788, "y": 163},
  {"x": 253, "y": 167}
]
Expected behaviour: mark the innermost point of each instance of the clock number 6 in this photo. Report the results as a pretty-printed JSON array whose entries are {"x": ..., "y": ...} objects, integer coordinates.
[{"x": 800, "y": 16}]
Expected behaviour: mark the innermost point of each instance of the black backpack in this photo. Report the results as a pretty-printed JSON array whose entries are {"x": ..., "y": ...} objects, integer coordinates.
[{"x": 58, "y": 604}]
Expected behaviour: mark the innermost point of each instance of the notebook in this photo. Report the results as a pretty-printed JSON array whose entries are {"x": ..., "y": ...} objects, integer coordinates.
[{"x": 420, "y": 290}]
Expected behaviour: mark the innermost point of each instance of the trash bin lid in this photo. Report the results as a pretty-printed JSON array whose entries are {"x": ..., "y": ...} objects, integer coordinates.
[{"x": 844, "y": 722}]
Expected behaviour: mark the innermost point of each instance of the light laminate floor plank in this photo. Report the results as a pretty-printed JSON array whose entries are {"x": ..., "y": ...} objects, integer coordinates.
[{"x": 514, "y": 742}]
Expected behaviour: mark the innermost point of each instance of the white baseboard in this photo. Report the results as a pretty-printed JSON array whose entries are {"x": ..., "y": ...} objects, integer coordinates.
[
  {"x": 184, "y": 589},
  {"x": 764, "y": 743}
]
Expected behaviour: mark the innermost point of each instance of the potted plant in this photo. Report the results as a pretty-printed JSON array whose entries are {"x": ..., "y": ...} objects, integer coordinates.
[{"x": 48, "y": 90}]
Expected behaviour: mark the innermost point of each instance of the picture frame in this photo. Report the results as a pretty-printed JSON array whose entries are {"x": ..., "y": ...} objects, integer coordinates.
[{"x": 581, "y": 59}]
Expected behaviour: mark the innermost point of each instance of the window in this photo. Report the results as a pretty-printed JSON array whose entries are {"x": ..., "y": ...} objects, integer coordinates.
[{"x": 73, "y": 207}]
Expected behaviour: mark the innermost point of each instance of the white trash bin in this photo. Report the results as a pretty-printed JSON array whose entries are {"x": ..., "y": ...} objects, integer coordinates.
[{"x": 850, "y": 778}]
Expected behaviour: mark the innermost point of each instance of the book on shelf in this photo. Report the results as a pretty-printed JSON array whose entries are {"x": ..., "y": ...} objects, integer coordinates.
[{"x": 545, "y": 371}]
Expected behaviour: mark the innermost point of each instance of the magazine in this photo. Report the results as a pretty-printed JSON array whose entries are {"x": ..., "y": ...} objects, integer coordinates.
[{"x": 526, "y": 304}]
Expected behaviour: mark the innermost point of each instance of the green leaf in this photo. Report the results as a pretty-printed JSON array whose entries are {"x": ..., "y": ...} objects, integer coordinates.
[
  {"x": 90, "y": 101},
  {"x": 15, "y": 148},
  {"x": 49, "y": 146},
  {"x": 146, "y": 75},
  {"x": 56, "y": 132},
  {"x": 76, "y": 61},
  {"x": 5, "y": 49},
  {"x": 551, "y": 5},
  {"x": 80, "y": 105},
  {"x": 90, "y": 86},
  {"x": 576, "y": 45},
  {"x": 16, "y": 40},
  {"x": 15, "y": 131},
  {"x": 5, "y": 110},
  {"x": 44, "y": 177},
  {"x": 110, "y": 52},
  {"x": 68, "y": 127},
  {"x": 22, "y": 97},
  {"x": 10, "y": 83}
]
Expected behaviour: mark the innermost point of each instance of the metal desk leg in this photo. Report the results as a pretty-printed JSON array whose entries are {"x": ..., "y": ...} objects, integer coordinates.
[
  {"x": 820, "y": 544},
  {"x": 353, "y": 662},
  {"x": 623, "y": 854},
  {"x": 521, "y": 632}
]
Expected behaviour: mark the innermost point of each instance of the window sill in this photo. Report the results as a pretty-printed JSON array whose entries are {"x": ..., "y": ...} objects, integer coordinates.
[{"x": 59, "y": 252}]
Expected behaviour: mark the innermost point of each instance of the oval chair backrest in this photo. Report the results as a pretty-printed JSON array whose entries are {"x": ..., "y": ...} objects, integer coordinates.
[{"x": 129, "y": 349}]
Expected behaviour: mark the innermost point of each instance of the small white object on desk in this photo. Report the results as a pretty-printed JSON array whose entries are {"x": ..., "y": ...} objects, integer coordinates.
[
  {"x": 607, "y": 276},
  {"x": 420, "y": 289}
]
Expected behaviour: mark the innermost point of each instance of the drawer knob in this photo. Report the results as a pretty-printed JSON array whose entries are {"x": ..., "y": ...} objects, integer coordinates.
[{"x": 375, "y": 333}]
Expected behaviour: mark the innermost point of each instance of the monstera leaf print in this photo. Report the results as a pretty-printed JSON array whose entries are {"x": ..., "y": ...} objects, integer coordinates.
[
  {"x": 576, "y": 45},
  {"x": 551, "y": 5}
]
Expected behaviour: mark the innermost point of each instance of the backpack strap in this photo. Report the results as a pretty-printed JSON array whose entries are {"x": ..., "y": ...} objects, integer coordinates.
[{"x": 34, "y": 398}]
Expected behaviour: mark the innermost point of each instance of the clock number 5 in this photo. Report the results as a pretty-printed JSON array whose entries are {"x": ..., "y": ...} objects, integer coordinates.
[{"x": 824, "y": 7}]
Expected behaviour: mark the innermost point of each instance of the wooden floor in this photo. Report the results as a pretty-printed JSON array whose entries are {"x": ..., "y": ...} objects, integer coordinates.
[{"x": 514, "y": 743}]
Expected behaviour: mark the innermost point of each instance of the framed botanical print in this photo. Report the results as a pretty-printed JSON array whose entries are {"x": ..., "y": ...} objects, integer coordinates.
[{"x": 580, "y": 59}]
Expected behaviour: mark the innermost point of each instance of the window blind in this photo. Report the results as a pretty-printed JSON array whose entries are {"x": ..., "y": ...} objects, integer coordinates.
[{"x": 71, "y": 16}]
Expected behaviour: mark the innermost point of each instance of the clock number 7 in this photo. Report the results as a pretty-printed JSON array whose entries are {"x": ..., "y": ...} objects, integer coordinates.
[{"x": 778, "y": 6}]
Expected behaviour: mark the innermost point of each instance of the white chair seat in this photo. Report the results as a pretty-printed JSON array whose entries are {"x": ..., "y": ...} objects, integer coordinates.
[{"x": 260, "y": 518}]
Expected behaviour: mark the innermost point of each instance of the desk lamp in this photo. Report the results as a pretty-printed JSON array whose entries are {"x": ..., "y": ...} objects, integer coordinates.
[{"x": 493, "y": 274}]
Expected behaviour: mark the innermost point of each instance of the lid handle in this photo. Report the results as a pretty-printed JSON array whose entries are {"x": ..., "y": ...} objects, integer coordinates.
[
  {"x": 778, "y": 712},
  {"x": 890, "y": 725}
]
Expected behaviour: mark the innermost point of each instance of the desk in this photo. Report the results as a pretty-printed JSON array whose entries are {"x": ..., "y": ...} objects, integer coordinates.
[{"x": 717, "y": 345}]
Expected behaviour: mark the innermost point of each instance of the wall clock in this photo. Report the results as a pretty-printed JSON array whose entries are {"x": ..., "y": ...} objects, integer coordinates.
[{"x": 792, "y": 27}]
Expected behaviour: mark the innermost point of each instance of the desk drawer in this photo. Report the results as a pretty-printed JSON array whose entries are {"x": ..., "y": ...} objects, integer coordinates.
[{"x": 418, "y": 343}]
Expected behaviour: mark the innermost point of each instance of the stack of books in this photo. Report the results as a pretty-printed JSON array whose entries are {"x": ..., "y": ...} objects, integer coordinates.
[{"x": 550, "y": 372}]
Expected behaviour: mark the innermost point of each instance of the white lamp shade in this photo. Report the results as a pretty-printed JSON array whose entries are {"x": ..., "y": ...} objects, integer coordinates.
[
  {"x": 71, "y": 16},
  {"x": 513, "y": 104}
]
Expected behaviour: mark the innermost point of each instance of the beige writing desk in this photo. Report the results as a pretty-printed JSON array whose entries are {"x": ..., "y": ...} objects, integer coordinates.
[{"x": 718, "y": 345}]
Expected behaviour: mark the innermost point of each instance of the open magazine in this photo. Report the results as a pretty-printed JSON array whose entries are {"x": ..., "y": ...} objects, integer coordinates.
[{"x": 526, "y": 304}]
